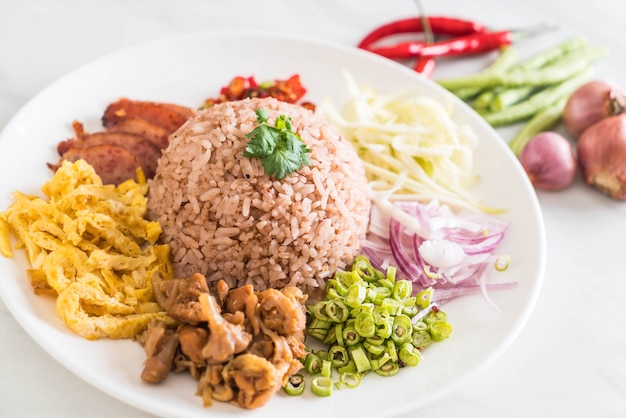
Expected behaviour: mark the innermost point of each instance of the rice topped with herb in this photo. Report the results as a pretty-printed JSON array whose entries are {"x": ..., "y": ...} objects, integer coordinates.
[{"x": 224, "y": 217}]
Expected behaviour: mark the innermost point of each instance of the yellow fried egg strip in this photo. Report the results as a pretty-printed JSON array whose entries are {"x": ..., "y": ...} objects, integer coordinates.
[{"x": 90, "y": 245}]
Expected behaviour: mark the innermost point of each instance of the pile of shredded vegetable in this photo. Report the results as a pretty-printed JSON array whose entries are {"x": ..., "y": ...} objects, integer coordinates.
[{"x": 411, "y": 147}]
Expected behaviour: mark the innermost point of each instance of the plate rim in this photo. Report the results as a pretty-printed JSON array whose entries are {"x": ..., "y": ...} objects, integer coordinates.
[{"x": 504, "y": 344}]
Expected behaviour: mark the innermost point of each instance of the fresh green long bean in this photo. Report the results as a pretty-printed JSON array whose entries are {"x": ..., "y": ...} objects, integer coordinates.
[
  {"x": 508, "y": 97},
  {"x": 507, "y": 58},
  {"x": 549, "y": 55},
  {"x": 541, "y": 121},
  {"x": 501, "y": 97},
  {"x": 539, "y": 101},
  {"x": 560, "y": 71}
]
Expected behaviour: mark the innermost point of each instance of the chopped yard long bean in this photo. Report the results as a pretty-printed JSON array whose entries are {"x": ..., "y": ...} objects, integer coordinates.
[{"x": 369, "y": 319}]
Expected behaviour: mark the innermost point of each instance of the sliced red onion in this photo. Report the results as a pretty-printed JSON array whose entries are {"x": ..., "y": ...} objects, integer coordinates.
[{"x": 453, "y": 253}]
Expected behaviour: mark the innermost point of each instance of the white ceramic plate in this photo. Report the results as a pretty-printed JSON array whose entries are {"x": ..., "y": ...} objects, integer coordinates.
[{"x": 188, "y": 69}]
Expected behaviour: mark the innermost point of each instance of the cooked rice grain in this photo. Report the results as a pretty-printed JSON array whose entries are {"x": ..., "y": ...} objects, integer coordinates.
[{"x": 225, "y": 218}]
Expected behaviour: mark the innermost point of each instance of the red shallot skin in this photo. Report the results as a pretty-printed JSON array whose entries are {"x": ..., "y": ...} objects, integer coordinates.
[
  {"x": 549, "y": 161},
  {"x": 602, "y": 156},
  {"x": 590, "y": 103}
]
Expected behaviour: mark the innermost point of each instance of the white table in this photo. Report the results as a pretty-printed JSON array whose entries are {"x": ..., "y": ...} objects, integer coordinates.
[{"x": 570, "y": 358}]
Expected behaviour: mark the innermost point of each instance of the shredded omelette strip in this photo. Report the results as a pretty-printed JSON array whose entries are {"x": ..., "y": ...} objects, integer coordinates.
[{"x": 91, "y": 246}]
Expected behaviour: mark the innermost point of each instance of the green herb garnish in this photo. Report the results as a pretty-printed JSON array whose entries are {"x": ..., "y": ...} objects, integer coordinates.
[{"x": 282, "y": 150}]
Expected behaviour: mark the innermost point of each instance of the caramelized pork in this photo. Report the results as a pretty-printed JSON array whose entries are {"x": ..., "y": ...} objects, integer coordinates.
[
  {"x": 157, "y": 135},
  {"x": 166, "y": 115},
  {"x": 113, "y": 164},
  {"x": 146, "y": 153},
  {"x": 134, "y": 135}
]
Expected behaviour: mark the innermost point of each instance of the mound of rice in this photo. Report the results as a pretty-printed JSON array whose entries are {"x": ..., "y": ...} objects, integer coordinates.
[{"x": 225, "y": 218}]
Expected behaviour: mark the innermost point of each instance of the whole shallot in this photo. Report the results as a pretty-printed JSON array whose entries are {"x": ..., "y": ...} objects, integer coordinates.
[
  {"x": 590, "y": 103},
  {"x": 549, "y": 160},
  {"x": 602, "y": 155}
]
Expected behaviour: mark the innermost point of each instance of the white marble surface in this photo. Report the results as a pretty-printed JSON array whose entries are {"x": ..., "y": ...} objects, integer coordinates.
[{"x": 570, "y": 358}]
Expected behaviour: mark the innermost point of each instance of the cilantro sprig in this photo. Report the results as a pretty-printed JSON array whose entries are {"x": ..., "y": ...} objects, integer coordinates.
[{"x": 281, "y": 150}]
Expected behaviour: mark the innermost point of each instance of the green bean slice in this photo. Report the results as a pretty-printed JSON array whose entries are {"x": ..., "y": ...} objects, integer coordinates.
[
  {"x": 364, "y": 325},
  {"x": 322, "y": 386},
  {"x": 295, "y": 385}
]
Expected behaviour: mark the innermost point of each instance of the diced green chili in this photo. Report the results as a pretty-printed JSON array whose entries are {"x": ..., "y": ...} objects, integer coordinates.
[
  {"x": 378, "y": 362},
  {"x": 312, "y": 363},
  {"x": 420, "y": 326},
  {"x": 350, "y": 336},
  {"x": 336, "y": 310},
  {"x": 381, "y": 315},
  {"x": 364, "y": 307},
  {"x": 388, "y": 369},
  {"x": 338, "y": 356},
  {"x": 350, "y": 379},
  {"x": 440, "y": 330},
  {"x": 378, "y": 294},
  {"x": 338, "y": 286},
  {"x": 409, "y": 307},
  {"x": 402, "y": 329},
  {"x": 361, "y": 361},
  {"x": 327, "y": 368},
  {"x": 421, "y": 339},
  {"x": 295, "y": 385},
  {"x": 362, "y": 266},
  {"x": 435, "y": 315},
  {"x": 391, "y": 274},
  {"x": 322, "y": 385},
  {"x": 384, "y": 329},
  {"x": 424, "y": 297},
  {"x": 385, "y": 283},
  {"x": 364, "y": 325},
  {"x": 409, "y": 355},
  {"x": 394, "y": 306},
  {"x": 356, "y": 295},
  {"x": 330, "y": 337},
  {"x": 318, "y": 328},
  {"x": 402, "y": 290},
  {"x": 391, "y": 351},
  {"x": 339, "y": 334},
  {"x": 375, "y": 349},
  {"x": 348, "y": 368}
]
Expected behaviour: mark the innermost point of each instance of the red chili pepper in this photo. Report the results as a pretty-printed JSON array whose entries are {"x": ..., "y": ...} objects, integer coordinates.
[
  {"x": 440, "y": 25},
  {"x": 424, "y": 65},
  {"x": 467, "y": 45},
  {"x": 401, "y": 50}
]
